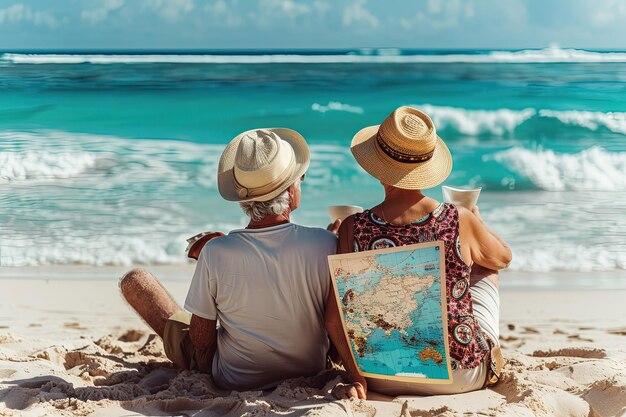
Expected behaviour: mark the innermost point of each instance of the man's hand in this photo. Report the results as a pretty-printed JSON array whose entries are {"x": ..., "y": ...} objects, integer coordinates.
[
  {"x": 356, "y": 389},
  {"x": 197, "y": 242},
  {"x": 203, "y": 335},
  {"x": 334, "y": 227},
  {"x": 202, "y": 332}
]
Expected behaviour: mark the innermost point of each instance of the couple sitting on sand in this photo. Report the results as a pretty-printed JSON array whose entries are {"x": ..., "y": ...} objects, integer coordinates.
[{"x": 269, "y": 284}]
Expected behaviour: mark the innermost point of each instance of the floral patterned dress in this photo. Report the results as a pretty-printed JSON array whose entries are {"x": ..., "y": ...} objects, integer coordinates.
[{"x": 468, "y": 342}]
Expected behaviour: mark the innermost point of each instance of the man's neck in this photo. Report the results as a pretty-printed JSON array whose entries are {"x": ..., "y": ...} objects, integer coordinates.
[{"x": 269, "y": 221}]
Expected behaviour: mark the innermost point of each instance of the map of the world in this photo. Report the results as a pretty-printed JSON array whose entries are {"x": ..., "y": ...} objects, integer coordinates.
[{"x": 393, "y": 309}]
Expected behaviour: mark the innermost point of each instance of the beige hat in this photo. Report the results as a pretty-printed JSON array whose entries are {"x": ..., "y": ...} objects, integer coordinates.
[
  {"x": 260, "y": 164},
  {"x": 404, "y": 151}
]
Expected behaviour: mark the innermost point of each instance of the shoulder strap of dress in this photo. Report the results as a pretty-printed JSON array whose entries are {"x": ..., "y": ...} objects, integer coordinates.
[
  {"x": 438, "y": 210},
  {"x": 444, "y": 215},
  {"x": 452, "y": 211}
]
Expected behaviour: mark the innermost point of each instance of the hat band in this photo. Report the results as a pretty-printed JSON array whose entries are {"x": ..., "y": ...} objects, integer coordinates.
[
  {"x": 400, "y": 156},
  {"x": 245, "y": 192}
]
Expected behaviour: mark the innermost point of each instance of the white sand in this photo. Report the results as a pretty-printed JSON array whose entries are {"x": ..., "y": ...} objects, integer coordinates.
[{"x": 72, "y": 347}]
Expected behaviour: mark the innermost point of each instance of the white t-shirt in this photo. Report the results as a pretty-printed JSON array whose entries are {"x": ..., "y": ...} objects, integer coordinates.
[{"x": 268, "y": 288}]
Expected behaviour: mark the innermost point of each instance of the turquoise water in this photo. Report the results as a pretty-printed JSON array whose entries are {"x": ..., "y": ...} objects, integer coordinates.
[{"x": 111, "y": 159}]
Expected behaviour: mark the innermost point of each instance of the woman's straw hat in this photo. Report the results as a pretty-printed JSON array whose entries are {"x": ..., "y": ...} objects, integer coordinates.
[
  {"x": 260, "y": 164},
  {"x": 404, "y": 151}
]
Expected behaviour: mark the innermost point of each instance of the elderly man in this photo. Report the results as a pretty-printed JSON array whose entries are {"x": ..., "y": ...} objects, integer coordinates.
[{"x": 267, "y": 284}]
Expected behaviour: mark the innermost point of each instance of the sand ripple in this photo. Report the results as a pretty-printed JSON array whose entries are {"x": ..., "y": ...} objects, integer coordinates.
[{"x": 127, "y": 374}]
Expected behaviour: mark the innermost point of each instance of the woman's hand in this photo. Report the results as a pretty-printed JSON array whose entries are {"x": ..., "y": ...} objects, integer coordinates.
[
  {"x": 334, "y": 227},
  {"x": 356, "y": 389},
  {"x": 486, "y": 248},
  {"x": 476, "y": 212}
]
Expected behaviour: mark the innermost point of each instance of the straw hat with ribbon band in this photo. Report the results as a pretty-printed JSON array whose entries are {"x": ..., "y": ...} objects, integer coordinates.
[
  {"x": 260, "y": 164},
  {"x": 404, "y": 151}
]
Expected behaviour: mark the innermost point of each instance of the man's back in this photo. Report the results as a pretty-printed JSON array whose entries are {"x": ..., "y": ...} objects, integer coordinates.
[{"x": 268, "y": 289}]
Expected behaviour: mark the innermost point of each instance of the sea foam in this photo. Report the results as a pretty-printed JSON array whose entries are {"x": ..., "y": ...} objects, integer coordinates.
[
  {"x": 336, "y": 106},
  {"x": 591, "y": 169},
  {"x": 475, "y": 122},
  {"x": 44, "y": 165},
  {"x": 116, "y": 201},
  {"x": 503, "y": 121},
  {"x": 547, "y": 55},
  {"x": 573, "y": 231},
  {"x": 72, "y": 198},
  {"x": 566, "y": 257},
  {"x": 554, "y": 54},
  {"x": 613, "y": 121}
]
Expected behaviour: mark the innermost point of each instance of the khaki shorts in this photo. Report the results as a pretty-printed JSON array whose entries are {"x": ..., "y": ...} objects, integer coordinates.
[{"x": 178, "y": 346}]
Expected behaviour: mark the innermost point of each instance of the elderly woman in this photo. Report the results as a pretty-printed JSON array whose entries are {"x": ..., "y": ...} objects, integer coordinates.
[{"x": 407, "y": 156}]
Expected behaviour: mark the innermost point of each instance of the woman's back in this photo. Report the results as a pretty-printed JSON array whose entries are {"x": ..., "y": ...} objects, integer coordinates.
[
  {"x": 406, "y": 155},
  {"x": 468, "y": 343}
]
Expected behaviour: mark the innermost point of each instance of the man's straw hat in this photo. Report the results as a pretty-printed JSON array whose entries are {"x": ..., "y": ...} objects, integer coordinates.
[
  {"x": 404, "y": 151},
  {"x": 260, "y": 164}
]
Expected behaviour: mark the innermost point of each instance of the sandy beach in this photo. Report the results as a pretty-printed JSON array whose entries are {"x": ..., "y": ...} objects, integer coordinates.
[
  {"x": 129, "y": 126},
  {"x": 69, "y": 345}
]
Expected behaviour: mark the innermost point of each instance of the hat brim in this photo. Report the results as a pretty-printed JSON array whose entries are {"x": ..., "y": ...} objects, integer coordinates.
[
  {"x": 409, "y": 176},
  {"x": 225, "y": 169}
]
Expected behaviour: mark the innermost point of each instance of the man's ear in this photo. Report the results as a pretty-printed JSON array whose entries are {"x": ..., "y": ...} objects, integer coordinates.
[{"x": 292, "y": 194}]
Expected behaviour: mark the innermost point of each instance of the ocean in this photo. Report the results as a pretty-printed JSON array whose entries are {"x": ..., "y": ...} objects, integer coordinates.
[{"x": 109, "y": 157}]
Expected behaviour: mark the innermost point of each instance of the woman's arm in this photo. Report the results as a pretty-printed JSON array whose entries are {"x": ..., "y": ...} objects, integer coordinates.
[
  {"x": 486, "y": 248},
  {"x": 334, "y": 327}
]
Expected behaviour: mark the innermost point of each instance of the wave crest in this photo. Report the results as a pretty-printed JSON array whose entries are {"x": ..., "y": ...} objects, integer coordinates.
[
  {"x": 336, "y": 106},
  {"x": 501, "y": 122},
  {"x": 614, "y": 121},
  {"x": 382, "y": 56},
  {"x": 43, "y": 165},
  {"x": 554, "y": 54},
  {"x": 476, "y": 122},
  {"x": 591, "y": 169}
]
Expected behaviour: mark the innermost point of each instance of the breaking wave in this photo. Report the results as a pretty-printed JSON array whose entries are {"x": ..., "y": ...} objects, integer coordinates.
[
  {"x": 101, "y": 200},
  {"x": 476, "y": 122},
  {"x": 613, "y": 121},
  {"x": 591, "y": 169},
  {"x": 381, "y": 56},
  {"x": 71, "y": 198},
  {"x": 38, "y": 165},
  {"x": 501, "y": 122}
]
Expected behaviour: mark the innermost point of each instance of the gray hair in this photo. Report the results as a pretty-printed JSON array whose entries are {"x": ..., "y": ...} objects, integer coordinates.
[{"x": 258, "y": 210}]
